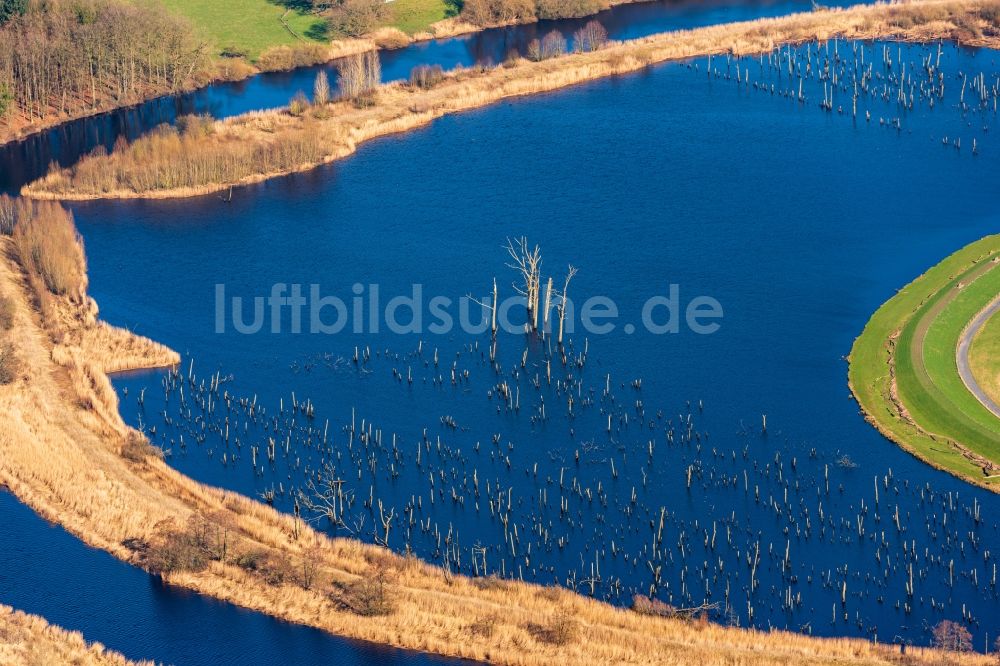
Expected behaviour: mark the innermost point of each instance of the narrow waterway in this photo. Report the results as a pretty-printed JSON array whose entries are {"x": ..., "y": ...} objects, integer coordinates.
[{"x": 26, "y": 160}]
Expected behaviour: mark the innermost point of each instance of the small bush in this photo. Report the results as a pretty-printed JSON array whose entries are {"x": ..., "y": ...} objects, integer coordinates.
[
  {"x": 561, "y": 629},
  {"x": 534, "y": 50},
  {"x": 426, "y": 76},
  {"x": 137, "y": 448},
  {"x": 276, "y": 59},
  {"x": 497, "y": 12},
  {"x": 484, "y": 627},
  {"x": 281, "y": 58},
  {"x": 646, "y": 606},
  {"x": 195, "y": 125},
  {"x": 176, "y": 551},
  {"x": 354, "y": 18},
  {"x": 370, "y": 595},
  {"x": 556, "y": 9},
  {"x": 8, "y": 364},
  {"x": 299, "y": 104},
  {"x": 6, "y": 313},
  {"x": 232, "y": 51}
]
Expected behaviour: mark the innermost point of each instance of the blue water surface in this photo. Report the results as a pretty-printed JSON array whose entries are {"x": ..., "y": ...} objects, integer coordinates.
[{"x": 798, "y": 221}]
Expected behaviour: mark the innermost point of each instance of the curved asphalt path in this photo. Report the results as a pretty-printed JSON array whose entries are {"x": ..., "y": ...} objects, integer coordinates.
[{"x": 962, "y": 356}]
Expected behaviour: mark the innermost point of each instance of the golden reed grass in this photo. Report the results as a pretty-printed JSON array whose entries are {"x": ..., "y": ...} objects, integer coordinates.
[
  {"x": 262, "y": 145},
  {"x": 66, "y": 452},
  {"x": 28, "y": 640}
]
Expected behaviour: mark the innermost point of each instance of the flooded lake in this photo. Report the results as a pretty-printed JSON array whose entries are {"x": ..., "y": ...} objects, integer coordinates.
[
  {"x": 632, "y": 461},
  {"x": 660, "y": 477}
]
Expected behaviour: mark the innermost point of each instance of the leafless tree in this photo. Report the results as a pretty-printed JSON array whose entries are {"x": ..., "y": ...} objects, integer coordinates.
[
  {"x": 61, "y": 57},
  {"x": 327, "y": 498},
  {"x": 591, "y": 37},
  {"x": 951, "y": 636},
  {"x": 359, "y": 74},
  {"x": 564, "y": 299},
  {"x": 553, "y": 45},
  {"x": 528, "y": 262},
  {"x": 321, "y": 89}
]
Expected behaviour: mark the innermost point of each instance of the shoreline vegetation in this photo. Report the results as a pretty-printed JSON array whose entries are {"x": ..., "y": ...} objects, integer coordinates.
[
  {"x": 202, "y": 156},
  {"x": 26, "y": 640},
  {"x": 903, "y": 370},
  {"x": 163, "y": 54},
  {"x": 66, "y": 452}
]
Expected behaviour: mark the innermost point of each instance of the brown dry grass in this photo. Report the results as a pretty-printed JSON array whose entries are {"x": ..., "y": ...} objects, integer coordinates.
[
  {"x": 263, "y": 145},
  {"x": 65, "y": 451},
  {"x": 28, "y": 640}
]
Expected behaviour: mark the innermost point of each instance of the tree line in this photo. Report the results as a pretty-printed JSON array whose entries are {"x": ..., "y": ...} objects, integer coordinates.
[{"x": 68, "y": 57}]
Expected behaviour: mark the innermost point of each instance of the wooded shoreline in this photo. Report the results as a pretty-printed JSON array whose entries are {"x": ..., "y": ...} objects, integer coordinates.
[
  {"x": 261, "y": 145},
  {"x": 223, "y": 70}
]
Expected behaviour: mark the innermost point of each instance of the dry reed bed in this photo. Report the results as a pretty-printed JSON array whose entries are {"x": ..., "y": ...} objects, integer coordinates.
[
  {"x": 65, "y": 451},
  {"x": 262, "y": 145},
  {"x": 28, "y": 640}
]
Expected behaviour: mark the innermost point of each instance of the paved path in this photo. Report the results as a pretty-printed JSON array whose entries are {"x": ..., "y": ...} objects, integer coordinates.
[{"x": 962, "y": 356}]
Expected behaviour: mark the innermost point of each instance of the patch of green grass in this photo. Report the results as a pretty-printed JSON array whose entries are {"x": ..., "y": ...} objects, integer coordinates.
[
  {"x": 984, "y": 357},
  {"x": 413, "y": 16},
  {"x": 929, "y": 315},
  {"x": 251, "y": 26}
]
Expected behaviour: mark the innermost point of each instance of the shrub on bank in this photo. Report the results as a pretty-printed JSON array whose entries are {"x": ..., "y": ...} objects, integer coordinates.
[
  {"x": 370, "y": 595},
  {"x": 556, "y": 9},
  {"x": 498, "y": 12},
  {"x": 281, "y": 58},
  {"x": 354, "y": 18},
  {"x": 426, "y": 76},
  {"x": 6, "y": 313},
  {"x": 48, "y": 245},
  {"x": 8, "y": 363}
]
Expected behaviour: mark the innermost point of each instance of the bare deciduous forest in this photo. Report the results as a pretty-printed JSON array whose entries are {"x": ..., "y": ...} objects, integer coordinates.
[{"x": 62, "y": 58}]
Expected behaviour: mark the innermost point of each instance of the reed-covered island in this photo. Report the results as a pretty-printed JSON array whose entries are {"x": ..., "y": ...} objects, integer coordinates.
[{"x": 202, "y": 156}]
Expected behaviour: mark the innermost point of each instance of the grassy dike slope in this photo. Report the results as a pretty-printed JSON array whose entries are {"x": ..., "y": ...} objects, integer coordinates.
[
  {"x": 903, "y": 370},
  {"x": 266, "y": 144},
  {"x": 65, "y": 451},
  {"x": 28, "y": 640}
]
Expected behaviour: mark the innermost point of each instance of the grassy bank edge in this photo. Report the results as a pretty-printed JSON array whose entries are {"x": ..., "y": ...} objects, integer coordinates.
[{"x": 870, "y": 370}]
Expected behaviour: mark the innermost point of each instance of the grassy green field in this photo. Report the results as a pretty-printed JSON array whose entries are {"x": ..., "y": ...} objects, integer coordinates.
[
  {"x": 249, "y": 25},
  {"x": 412, "y": 16},
  {"x": 915, "y": 334},
  {"x": 984, "y": 357}
]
